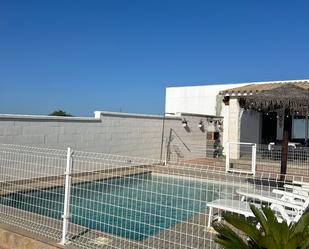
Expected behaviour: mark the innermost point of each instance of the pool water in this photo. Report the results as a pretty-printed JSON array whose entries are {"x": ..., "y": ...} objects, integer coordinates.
[{"x": 133, "y": 207}]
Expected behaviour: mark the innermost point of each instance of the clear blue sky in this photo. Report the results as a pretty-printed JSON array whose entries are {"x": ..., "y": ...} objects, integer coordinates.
[{"x": 83, "y": 56}]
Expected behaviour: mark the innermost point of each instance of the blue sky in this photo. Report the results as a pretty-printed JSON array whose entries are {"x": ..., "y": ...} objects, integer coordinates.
[{"x": 83, "y": 56}]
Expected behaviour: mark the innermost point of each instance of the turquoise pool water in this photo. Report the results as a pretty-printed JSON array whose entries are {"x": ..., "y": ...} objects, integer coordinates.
[{"x": 134, "y": 207}]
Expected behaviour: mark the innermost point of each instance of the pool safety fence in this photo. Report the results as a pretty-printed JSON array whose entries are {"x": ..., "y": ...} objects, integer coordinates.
[
  {"x": 94, "y": 200},
  {"x": 239, "y": 156},
  {"x": 269, "y": 158},
  {"x": 236, "y": 152},
  {"x": 251, "y": 157}
]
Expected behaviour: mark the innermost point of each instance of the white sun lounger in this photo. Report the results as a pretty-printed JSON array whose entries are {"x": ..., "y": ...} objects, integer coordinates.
[
  {"x": 276, "y": 194},
  {"x": 289, "y": 200},
  {"x": 302, "y": 188},
  {"x": 243, "y": 208},
  {"x": 301, "y": 183},
  {"x": 233, "y": 206},
  {"x": 272, "y": 194}
]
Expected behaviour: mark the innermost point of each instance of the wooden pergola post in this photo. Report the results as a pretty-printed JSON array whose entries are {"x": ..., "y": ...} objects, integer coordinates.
[{"x": 285, "y": 147}]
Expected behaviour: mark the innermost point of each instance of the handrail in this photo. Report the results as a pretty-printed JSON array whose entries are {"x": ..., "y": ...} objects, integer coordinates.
[{"x": 184, "y": 144}]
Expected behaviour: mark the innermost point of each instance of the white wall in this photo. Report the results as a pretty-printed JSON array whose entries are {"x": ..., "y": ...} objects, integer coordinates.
[
  {"x": 200, "y": 100},
  {"x": 250, "y": 130},
  {"x": 116, "y": 133},
  {"x": 194, "y": 99},
  {"x": 225, "y": 115}
]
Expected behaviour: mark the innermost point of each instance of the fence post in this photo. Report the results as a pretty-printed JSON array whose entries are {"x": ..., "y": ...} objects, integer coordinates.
[
  {"x": 227, "y": 157},
  {"x": 253, "y": 159},
  {"x": 67, "y": 196}
]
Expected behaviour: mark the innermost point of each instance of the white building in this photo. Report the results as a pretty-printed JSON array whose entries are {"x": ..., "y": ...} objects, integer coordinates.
[
  {"x": 196, "y": 99},
  {"x": 199, "y": 100}
]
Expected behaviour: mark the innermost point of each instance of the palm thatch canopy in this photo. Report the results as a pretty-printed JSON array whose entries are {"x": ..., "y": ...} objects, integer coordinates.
[{"x": 289, "y": 97}]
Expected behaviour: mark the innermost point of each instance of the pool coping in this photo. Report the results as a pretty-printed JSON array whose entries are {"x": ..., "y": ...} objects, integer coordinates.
[
  {"x": 20, "y": 239},
  {"x": 50, "y": 182}
]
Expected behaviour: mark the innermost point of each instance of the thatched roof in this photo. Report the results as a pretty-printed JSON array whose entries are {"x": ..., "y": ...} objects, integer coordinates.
[
  {"x": 257, "y": 87},
  {"x": 290, "y": 97}
]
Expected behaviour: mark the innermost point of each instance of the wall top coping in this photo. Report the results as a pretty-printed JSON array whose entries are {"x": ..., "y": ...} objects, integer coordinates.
[
  {"x": 47, "y": 118},
  {"x": 98, "y": 114},
  {"x": 198, "y": 115}
]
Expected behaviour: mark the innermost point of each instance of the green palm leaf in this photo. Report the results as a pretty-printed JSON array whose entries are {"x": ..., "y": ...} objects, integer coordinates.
[
  {"x": 271, "y": 234},
  {"x": 227, "y": 238},
  {"x": 243, "y": 225}
]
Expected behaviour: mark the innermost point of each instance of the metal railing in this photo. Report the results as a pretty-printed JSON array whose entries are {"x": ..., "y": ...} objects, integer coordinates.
[
  {"x": 96, "y": 200},
  {"x": 179, "y": 150}
]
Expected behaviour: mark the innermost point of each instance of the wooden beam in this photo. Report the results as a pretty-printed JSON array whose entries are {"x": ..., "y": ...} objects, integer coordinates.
[{"x": 285, "y": 148}]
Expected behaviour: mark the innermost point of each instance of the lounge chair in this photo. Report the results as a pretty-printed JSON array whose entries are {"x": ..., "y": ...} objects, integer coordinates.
[
  {"x": 276, "y": 194},
  {"x": 284, "y": 210},
  {"x": 298, "y": 187},
  {"x": 233, "y": 206}
]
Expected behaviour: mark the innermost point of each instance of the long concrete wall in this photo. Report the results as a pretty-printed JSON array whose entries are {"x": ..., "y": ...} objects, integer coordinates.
[{"x": 115, "y": 133}]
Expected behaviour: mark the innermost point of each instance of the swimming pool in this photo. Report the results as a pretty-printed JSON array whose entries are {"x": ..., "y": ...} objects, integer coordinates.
[{"x": 133, "y": 207}]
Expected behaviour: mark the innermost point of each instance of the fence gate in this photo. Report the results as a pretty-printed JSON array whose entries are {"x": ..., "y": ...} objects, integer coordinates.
[{"x": 240, "y": 157}]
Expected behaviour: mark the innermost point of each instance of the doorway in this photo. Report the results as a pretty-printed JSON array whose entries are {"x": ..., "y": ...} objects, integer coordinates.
[{"x": 269, "y": 127}]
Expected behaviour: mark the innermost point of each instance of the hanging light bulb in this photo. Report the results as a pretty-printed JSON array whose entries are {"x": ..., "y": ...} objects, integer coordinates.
[{"x": 184, "y": 123}]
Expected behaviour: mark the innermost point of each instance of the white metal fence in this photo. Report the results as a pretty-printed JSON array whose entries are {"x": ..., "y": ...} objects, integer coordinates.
[
  {"x": 24, "y": 169},
  {"x": 241, "y": 157},
  {"x": 250, "y": 157},
  {"x": 238, "y": 156},
  {"x": 269, "y": 159},
  {"x": 95, "y": 200}
]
